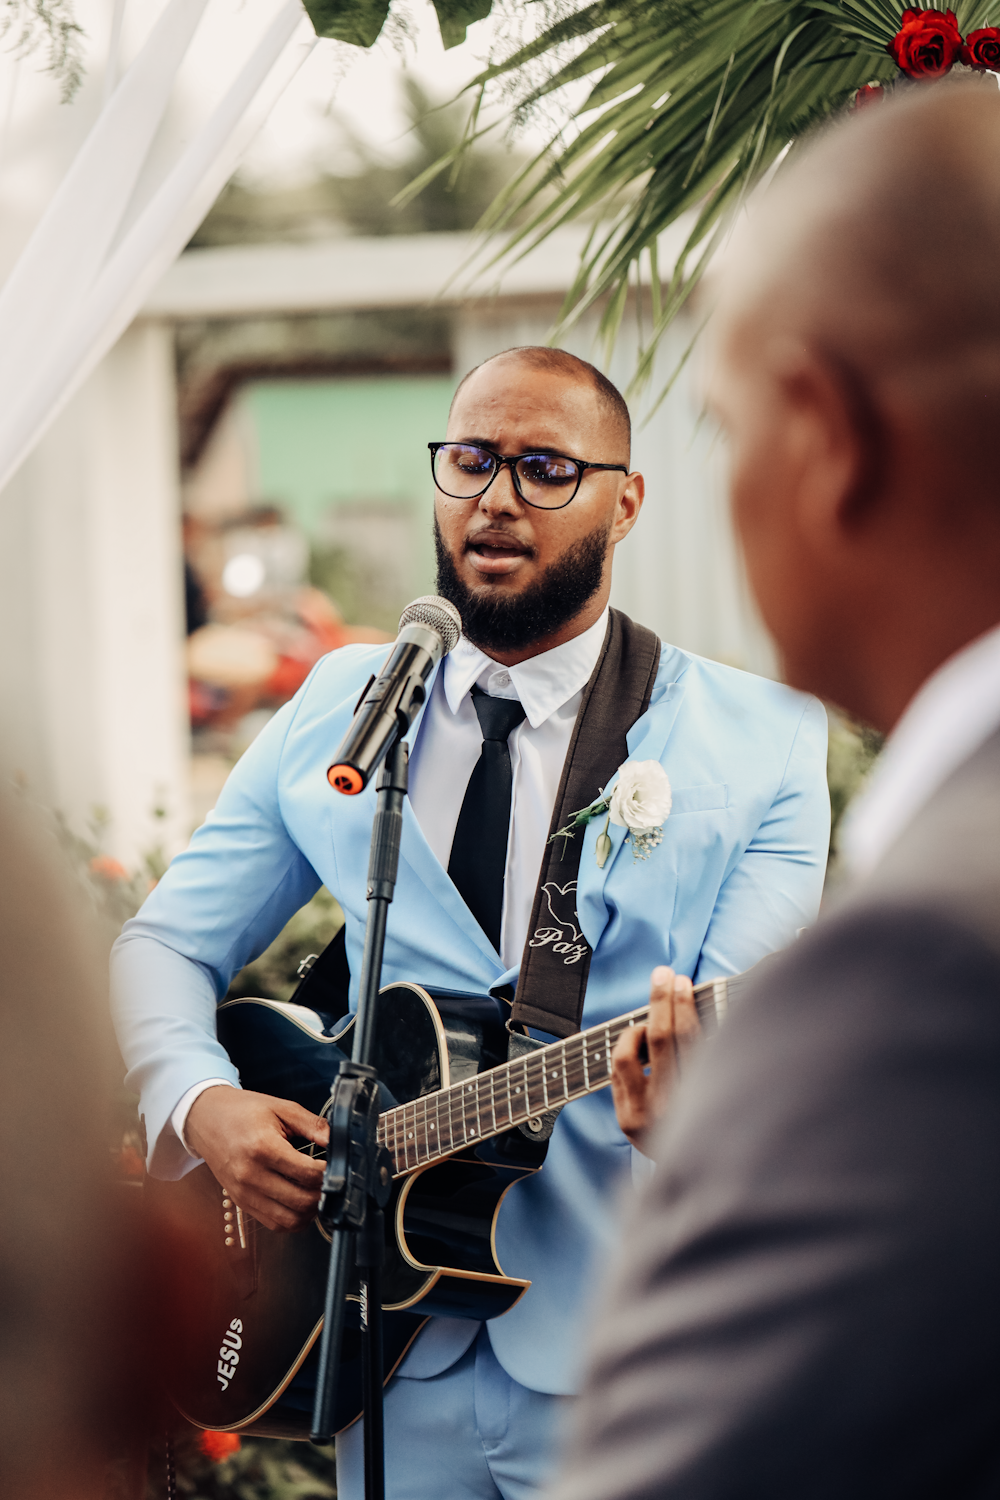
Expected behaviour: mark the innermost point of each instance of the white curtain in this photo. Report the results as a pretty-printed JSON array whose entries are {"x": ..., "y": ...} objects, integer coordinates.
[{"x": 120, "y": 217}]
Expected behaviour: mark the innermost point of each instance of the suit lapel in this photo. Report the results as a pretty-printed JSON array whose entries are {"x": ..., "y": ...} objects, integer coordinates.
[
  {"x": 646, "y": 740},
  {"x": 424, "y": 866}
]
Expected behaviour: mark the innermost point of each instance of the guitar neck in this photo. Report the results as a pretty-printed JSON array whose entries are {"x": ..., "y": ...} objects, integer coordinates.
[{"x": 434, "y": 1126}]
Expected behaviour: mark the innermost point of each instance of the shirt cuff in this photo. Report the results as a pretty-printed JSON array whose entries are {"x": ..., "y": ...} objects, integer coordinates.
[{"x": 181, "y": 1111}]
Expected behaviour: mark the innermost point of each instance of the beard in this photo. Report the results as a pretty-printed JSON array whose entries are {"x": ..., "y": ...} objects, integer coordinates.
[{"x": 495, "y": 620}]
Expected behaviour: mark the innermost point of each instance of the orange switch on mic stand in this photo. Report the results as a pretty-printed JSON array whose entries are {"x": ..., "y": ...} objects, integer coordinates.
[{"x": 345, "y": 779}]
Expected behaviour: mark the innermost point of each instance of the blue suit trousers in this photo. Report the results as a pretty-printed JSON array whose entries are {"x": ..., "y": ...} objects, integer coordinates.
[{"x": 470, "y": 1433}]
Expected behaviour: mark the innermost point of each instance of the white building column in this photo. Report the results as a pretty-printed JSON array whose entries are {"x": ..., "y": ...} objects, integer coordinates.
[{"x": 92, "y": 676}]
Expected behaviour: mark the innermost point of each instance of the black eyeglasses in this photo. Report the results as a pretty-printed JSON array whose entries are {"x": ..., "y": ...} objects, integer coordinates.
[{"x": 548, "y": 481}]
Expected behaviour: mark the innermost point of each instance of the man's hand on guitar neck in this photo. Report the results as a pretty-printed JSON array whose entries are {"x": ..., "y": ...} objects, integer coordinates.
[
  {"x": 646, "y": 1060},
  {"x": 245, "y": 1140}
]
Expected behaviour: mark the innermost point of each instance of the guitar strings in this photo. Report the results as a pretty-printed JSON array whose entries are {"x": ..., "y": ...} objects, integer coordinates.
[{"x": 416, "y": 1134}]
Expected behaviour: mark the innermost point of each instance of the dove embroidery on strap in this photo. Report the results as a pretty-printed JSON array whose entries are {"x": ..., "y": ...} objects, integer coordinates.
[{"x": 563, "y": 934}]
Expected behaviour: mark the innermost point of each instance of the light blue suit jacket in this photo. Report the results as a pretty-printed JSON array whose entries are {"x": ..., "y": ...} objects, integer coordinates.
[{"x": 739, "y": 870}]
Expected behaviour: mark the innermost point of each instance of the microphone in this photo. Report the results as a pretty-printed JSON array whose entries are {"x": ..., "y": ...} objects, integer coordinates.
[{"x": 428, "y": 629}]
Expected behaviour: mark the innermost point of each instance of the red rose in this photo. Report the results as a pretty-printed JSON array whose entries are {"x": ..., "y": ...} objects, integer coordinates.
[
  {"x": 871, "y": 93},
  {"x": 219, "y": 1445},
  {"x": 927, "y": 43},
  {"x": 982, "y": 49}
]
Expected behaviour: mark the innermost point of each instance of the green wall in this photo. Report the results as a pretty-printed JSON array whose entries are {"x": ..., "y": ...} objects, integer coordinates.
[{"x": 321, "y": 442}]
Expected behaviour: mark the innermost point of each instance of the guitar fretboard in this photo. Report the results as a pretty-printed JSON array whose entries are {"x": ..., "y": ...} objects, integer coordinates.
[{"x": 436, "y": 1125}]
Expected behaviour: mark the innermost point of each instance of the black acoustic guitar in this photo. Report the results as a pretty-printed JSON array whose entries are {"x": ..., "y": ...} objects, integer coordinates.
[{"x": 458, "y": 1121}]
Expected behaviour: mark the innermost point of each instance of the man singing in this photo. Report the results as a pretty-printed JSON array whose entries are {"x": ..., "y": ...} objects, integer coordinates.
[{"x": 534, "y": 492}]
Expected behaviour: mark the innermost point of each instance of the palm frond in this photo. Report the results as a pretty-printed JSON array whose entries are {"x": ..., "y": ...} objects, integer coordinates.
[{"x": 691, "y": 103}]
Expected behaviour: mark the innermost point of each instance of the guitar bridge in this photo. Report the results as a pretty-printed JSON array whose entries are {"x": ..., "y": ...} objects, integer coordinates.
[{"x": 237, "y": 1242}]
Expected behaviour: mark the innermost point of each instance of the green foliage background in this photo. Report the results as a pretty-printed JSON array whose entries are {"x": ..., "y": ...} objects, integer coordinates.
[
  {"x": 50, "y": 27},
  {"x": 262, "y": 1469},
  {"x": 363, "y": 200},
  {"x": 273, "y": 975},
  {"x": 853, "y": 751}
]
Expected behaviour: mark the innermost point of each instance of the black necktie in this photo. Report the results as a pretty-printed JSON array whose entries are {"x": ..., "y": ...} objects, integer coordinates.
[{"x": 479, "y": 850}]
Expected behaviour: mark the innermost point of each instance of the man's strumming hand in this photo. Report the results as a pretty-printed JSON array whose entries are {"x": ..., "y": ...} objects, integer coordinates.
[
  {"x": 245, "y": 1139},
  {"x": 646, "y": 1060}
]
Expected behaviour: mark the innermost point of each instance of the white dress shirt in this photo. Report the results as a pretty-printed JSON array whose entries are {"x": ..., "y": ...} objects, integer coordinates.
[
  {"x": 448, "y": 745},
  {"x": 450, "y": 740},
  {"x": 953, "y": 713}
]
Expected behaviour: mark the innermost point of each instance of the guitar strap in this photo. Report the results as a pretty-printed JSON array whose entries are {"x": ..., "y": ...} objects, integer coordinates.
[{"x": 556, "y": 962}]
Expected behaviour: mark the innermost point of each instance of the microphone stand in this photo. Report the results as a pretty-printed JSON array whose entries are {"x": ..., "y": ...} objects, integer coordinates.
[{"x": 358, "y": 1178}]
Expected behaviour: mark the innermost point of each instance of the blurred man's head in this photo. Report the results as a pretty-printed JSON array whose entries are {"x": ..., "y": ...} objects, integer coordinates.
[
  {"x": 527, "y": 578},
  {"x": 858, "y": 379}
]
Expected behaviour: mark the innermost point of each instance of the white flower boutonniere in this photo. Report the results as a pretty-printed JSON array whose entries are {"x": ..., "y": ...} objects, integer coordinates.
[{"x": 641, "y": 802}]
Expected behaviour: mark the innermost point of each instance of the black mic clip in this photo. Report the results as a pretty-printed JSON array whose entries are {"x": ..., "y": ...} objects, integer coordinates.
[
  {"x": 357, "y": 1168},
  {"x": 401, "y": 698}
]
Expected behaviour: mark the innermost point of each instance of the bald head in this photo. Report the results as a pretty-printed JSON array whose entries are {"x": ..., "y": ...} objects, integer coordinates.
[
  {"x": 615, "y": 424},
  {"x": 880, "y": 243},
  {"x": 858, "y": 378}
]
